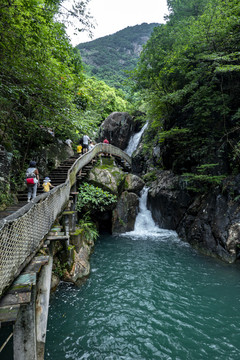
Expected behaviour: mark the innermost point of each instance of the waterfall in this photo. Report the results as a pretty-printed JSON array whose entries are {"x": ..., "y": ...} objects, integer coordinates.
[
  {"x": 144, "y": 223},
  {"x": 134, "y": 141}
]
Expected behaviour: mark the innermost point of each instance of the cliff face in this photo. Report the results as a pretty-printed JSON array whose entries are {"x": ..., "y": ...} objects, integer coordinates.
[{"x": 210, "y": 222}]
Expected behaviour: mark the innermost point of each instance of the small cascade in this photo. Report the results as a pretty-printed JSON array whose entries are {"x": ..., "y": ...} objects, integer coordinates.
[
  {"x": 134, "y": 141},
  {"x": 144, "y": 224}
]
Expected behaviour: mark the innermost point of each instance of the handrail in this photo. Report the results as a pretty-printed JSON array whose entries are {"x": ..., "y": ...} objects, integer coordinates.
[{"x": 22, "y": 232}]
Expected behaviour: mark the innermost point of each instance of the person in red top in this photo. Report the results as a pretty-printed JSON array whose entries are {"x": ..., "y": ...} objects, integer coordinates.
[
  {"x": 32, "y": 180},
  {"x": 105, "y": 141}
]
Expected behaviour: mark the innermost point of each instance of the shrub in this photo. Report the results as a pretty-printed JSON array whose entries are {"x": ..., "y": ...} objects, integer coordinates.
[{"x": 92, "y": 198}]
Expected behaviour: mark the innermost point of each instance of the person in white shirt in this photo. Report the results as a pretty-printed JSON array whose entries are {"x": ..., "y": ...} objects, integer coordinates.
[{"x": 86, "y": 139}]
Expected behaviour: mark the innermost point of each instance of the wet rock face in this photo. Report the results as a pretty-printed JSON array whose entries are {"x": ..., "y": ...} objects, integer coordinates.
[
  {"x": 212, "y": 224},
  {"x": 117, "y": 128},
  {"x": 139, "y": 161},
  {"x": 134, "y": 183},
  {"x": 208, "y": 222},
  {"x": 124, "y": 215},
  {"x": 167, "y": 202}
]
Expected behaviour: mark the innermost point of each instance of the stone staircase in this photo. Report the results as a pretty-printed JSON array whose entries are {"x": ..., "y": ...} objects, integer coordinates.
[{"x": 58, "y": 176}]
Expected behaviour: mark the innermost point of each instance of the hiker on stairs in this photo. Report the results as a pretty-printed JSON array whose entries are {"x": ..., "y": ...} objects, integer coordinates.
[{"x": 32, "y": 180}]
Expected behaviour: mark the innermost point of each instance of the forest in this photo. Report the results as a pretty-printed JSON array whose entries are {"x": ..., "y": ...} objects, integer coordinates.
[
  {"x": 110, "y": 58},
  {"x": 42, "y": 82},
  {"x": 187, "y": 82},
  {"x": 188, "y": 76}
]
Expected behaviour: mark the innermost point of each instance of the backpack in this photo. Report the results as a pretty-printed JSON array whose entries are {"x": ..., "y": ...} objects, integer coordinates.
[
  {"x": 31, "y": 176},
  {"x": 30, "y": 173}
]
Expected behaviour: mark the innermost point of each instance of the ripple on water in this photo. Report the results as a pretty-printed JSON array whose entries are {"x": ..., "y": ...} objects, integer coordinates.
[{"x": 147, "y": 298}]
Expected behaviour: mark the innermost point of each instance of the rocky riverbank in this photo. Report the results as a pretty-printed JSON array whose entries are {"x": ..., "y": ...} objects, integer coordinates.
[{"x": 209, "y": 222}]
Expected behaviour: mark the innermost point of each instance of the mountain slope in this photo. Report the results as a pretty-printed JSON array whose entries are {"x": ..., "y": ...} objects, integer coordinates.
[{"x": 108, "y": 58}]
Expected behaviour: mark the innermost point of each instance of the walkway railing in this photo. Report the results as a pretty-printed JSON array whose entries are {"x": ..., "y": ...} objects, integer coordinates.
[{"x": 22, "y": 233}]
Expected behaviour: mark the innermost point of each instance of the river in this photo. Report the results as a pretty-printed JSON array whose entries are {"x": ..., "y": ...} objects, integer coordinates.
[{"x": 149, "y": 296}]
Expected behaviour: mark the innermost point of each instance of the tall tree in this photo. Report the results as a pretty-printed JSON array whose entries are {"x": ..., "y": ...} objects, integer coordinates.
[
  {"x": 39, "y": 73},
  {"x": 189, "y": 72}
]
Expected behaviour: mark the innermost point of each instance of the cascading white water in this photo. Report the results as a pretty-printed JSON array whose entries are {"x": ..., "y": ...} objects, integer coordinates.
[
  {"x": 144, "y": 223},
  {"x": 134, "y": 141}
]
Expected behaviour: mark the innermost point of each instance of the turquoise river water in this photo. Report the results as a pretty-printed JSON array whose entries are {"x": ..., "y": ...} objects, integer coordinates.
[{"x": 149, "y": 296}]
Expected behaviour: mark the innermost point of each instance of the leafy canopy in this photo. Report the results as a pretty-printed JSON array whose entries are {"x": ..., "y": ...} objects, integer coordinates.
[{"x": 189, "y": 76}]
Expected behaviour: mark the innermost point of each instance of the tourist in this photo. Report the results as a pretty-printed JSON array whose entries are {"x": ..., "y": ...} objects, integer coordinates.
[
  {"x": 69, "y": 142},
  {"x": 47, "y": 184},
  {"x": 32, "y": 180},
  {"x": 86, "y": 140},
  {"x": 79, "y": 149},
  {"x": 91, "y": 146},
  {"x": 105, "y": 141}
]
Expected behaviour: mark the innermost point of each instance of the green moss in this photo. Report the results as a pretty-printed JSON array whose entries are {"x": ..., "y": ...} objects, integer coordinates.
[
  {"x": 121, "y": 222},
  {"x": 78, "y": 232},
  {"x": 150, "y": 177}
]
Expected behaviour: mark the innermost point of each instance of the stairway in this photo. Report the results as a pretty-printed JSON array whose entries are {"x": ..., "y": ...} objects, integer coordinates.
[{"x": 57, "y": 176}]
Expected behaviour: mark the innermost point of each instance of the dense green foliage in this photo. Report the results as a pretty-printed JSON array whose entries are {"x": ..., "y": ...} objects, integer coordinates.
[
  {"x": 87, "y": 228},
  {"x": 189, "y": 75},
  {"x": 92, "y": 198},
  {"x": 98, "y": 100},
  {"x": 39, "y": 70},
  {"x": 42, "y": 82},
  {"x": 111, "y": 57}
]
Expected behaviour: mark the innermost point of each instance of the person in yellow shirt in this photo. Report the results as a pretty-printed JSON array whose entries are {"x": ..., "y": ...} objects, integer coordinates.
[
  {"x": 47, "y": 184},
  {"x": 79, "y": 149}
]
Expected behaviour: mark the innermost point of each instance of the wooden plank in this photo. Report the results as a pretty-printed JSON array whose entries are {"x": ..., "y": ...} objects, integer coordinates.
[
  {"x": 15, "y": 299},
  {"x": 69, "y": 212},
  {"x": 8, "y": 314},
  {"x": 25, "y": 279},
  {"x": 23, "y": 288},
  {"x": 56, "y": 227},
  {"x": 56, "y": 233},
  {"x": 54, "y": 238},
  {"x": 36, "y": 264}
]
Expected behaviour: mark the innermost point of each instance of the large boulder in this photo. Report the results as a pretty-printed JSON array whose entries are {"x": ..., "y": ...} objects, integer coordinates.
[
  {"x": 117, "y": 128},
  {"x": 133, "y": 183},
  {"x": 124, "y": 215},
  {"x": 109, "y": 178}
]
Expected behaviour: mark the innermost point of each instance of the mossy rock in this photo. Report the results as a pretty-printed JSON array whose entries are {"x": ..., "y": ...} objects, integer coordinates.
[{"x": 109, "y": 178}]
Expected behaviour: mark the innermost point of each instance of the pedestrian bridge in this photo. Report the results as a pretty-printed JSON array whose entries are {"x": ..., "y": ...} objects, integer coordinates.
[{"x": 23, "y": 232}]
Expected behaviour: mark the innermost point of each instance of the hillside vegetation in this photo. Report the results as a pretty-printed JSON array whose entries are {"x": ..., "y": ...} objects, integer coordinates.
[
  {"x": 187, "y": 80},
  {"x": 189, "y": 77},
  {"x": 110, "y": 57},
  {"x": 43, "y": 85}
]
